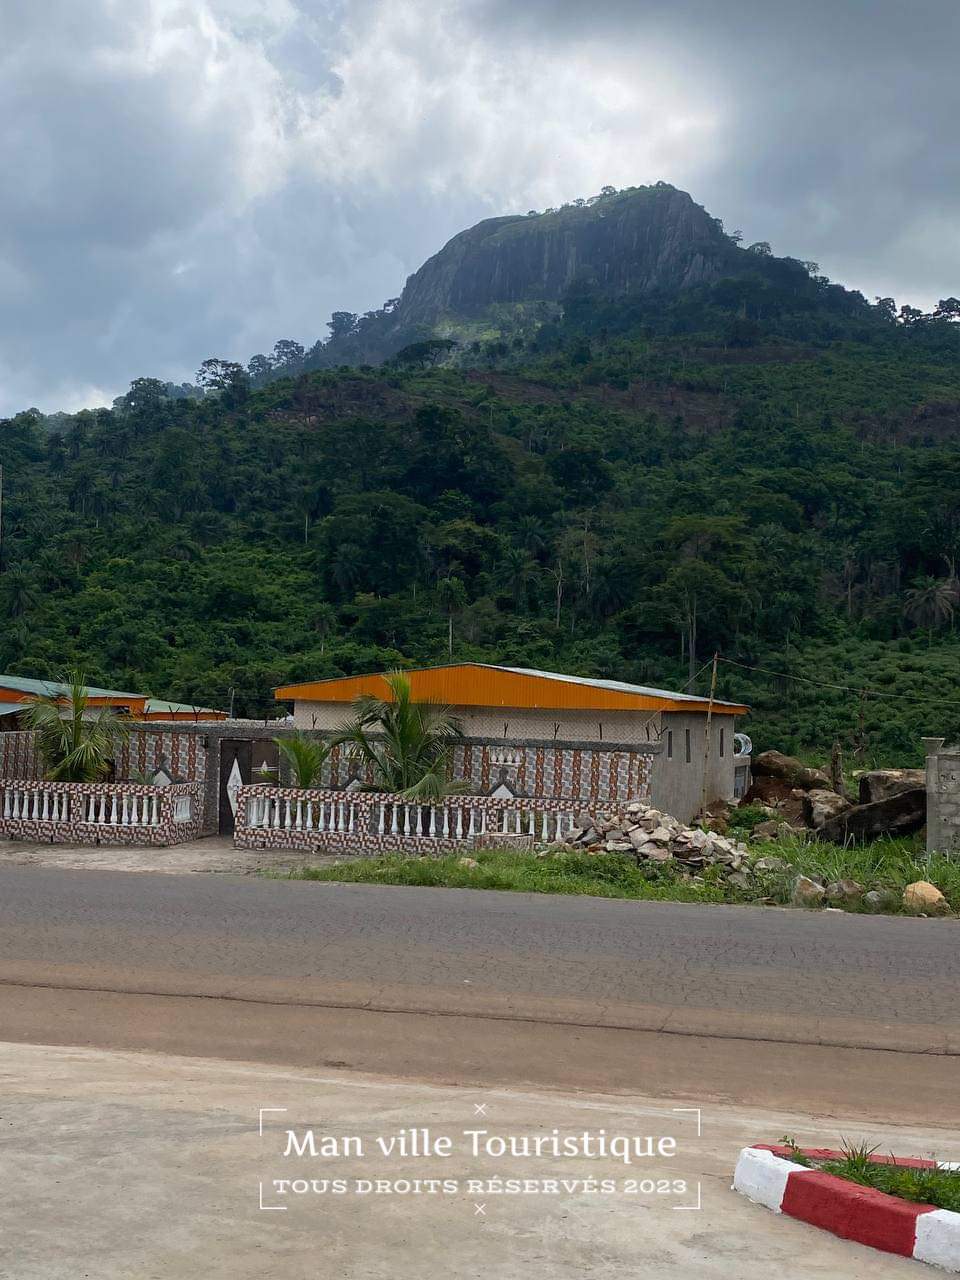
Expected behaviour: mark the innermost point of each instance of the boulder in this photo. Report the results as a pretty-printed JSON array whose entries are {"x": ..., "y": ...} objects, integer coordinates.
[
  {"x": 845, "y": 891},
  {"x": 807, "y": 892},
  {"x": 768, "y": 830},
  {"x": 820, "y": 806},
  {"x": 922, "y": 896},
  {"x": 899, "y": 814},
  {"x": 881, "y": 784},
  {"x": 740, "y": 880},
  {"x": 881, "y": 900},
  {"x": 468, "y": 862},
  {"x": 774, "y": 764}
]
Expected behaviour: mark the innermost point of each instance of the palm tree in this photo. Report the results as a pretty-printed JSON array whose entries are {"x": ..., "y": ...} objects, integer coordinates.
[
  {"x": 74, "y": 743},
  {"x": 931, "y": 602},
  {"x": 406, "y": 743},
  {"x": 305, "y": 756}
]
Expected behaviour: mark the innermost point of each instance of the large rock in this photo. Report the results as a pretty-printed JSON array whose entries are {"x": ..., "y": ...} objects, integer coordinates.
[
  {"x": 774, "y": 764},
  {"x": 848, "y": 892},
  {"x": 820, "y": 806},
  {"x": 807, "y": 892},
  {"x": 899, "y": 815},
  {"x": 881, "y": 784},
  {"x": 922, "y": 896}
]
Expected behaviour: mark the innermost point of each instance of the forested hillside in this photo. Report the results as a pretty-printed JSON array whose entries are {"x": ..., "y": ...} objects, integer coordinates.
[{"x": 765, "y": 466}]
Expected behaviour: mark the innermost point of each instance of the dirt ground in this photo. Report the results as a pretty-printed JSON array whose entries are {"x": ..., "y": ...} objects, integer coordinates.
[{"x": 213, "y": 853}]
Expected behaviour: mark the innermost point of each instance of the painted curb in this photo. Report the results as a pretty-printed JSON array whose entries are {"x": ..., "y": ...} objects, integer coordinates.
[{"x": 848, "y": 1210}]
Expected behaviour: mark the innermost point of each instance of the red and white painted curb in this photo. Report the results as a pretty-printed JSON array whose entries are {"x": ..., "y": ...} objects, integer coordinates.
[{"x": 849, "y": 1210}]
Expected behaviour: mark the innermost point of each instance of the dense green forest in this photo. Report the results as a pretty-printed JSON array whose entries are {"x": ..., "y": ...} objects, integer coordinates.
[{"x": 767, "y": 467}]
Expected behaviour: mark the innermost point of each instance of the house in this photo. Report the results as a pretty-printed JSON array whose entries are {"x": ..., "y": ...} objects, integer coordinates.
[
  {"x": 17, "y": 691},
  {"x": 542, "y": 733}
]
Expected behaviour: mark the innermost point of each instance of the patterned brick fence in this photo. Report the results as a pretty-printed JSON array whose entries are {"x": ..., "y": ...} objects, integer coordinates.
[
  {"x": 99, "y": 812},
  {"x": 358, "y": 822}
]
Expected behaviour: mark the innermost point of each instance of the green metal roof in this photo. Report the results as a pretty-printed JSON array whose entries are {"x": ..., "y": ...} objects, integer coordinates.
[
  {"x": 47, "y": 687},
  {"x": 54, "y": 688}
]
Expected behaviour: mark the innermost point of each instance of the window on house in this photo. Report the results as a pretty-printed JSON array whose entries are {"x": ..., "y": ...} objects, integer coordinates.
[
  {"x": 721, "y": 741},
  {"x": 687, "y": 731},
  {"x": 669, "y": 744}
]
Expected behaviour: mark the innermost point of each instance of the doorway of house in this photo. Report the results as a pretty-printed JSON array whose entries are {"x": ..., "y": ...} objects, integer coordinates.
[{"x": 242, "y": 760}]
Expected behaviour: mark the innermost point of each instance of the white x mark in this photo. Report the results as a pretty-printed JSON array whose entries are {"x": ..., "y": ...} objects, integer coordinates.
[
  {"x": 479, "y": 1210},
  {"x": 480, "y": 1108}
]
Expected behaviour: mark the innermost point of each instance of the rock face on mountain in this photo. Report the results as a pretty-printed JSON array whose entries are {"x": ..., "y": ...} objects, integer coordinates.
[
  {"x": 643, "y": 240},
  {"x": 639, "y": 241}
]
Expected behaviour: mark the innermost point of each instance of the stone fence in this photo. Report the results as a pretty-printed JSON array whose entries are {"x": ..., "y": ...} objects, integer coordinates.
[
  {"x": 359, "y": 822},
  {"x": 99, "y": 812}
]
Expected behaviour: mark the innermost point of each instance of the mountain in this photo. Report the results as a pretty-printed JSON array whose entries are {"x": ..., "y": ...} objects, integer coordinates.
[
  {"x": 649, "y": 445},
  {"x": 509, "y": 275}
]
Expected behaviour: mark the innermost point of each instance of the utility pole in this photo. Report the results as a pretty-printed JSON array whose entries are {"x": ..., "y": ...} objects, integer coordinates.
[{"x": 706, "y": 745}]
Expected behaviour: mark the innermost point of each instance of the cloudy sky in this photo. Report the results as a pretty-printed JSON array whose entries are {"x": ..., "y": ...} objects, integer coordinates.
[{"x": 194, "y": 178}]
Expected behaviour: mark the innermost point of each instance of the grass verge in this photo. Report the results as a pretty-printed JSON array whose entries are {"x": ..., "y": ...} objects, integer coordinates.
[{"x": 886, "y": 864}]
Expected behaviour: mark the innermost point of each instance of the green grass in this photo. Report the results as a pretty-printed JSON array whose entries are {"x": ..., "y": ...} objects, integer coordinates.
[
  {"x": 609, "y": 875},
  {"x": 887, "y": 864},
  {"x": 938, "y": 1187}
]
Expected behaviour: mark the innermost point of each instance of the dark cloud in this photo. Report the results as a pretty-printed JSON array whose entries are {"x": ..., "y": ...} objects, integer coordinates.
[{"x": 184, "y": 180}]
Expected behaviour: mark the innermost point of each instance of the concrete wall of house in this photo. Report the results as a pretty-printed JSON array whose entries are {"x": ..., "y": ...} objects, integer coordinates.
[
  {"x": 514, "y": 723},
  {"x": 676, "y": 783}
]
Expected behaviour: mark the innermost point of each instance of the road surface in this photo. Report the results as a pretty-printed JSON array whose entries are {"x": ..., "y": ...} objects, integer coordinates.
[{"x": 765, "y": 1007}]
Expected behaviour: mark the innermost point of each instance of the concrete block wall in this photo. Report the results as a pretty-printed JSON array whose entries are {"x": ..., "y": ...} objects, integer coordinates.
[{"x": 943, "y": 796}]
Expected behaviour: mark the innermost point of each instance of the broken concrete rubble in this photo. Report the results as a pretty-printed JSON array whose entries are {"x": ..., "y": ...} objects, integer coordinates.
[{"x": 657, "y": 837}]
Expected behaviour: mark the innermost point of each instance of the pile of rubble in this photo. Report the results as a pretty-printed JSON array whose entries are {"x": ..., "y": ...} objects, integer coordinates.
[{"x": 653, "y": 836}]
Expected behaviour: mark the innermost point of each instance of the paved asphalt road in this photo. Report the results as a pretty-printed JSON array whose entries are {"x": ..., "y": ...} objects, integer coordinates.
[{"x": 461, "y": 985}]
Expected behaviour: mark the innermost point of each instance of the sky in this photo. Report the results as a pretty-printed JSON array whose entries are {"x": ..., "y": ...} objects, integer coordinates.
[{"x": 194, "y": 178}]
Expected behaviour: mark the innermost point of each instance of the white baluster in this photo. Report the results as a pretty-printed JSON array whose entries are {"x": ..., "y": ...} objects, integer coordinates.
[
  {"x": 275, "y": 801},
  {"x": 134, "y": 811},
  {"x": 433, "y": 820},
  {"x": 54, "y": 806},
  {"x": 394, "y": 829},
  {"x": 124, "y": 810},
  {"x": 406, "y": 819},
  {"x": 64, "y": 808},
  {"x": 310, "y": 815},
  {"x": 382, "y": 821},
  {"x": 6, "y": 803},
  {"x": 472, "y": 830},
  {"x": 352, "y": 825},
  {"x": 531, "y": 824},
  {"x": 155, "y": 810},
  {"x": 45, "y": 815},
  {"x": 459, "y": 823},
  {"x": 419, "y": 830},
  {"x": 287, "y": 814},
  {"x": 36, "y": 806},
  {"x": 299, "y": 819},
  {"x": 321, "y": 815},
  {"x": 483, "y": 822},
  {"x": 113, "y": 809},
  {"x": 446, "y": 822}
]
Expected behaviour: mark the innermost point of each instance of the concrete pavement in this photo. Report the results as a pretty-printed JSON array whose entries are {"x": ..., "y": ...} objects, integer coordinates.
[{"x": 119, "y": 1166}]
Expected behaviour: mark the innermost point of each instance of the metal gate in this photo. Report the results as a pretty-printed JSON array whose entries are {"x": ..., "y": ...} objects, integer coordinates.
[{"x": 242, "y": 760}]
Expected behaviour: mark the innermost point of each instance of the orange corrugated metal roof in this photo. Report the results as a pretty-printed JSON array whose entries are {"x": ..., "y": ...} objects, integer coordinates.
[{"x": 478, "y": 684}]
